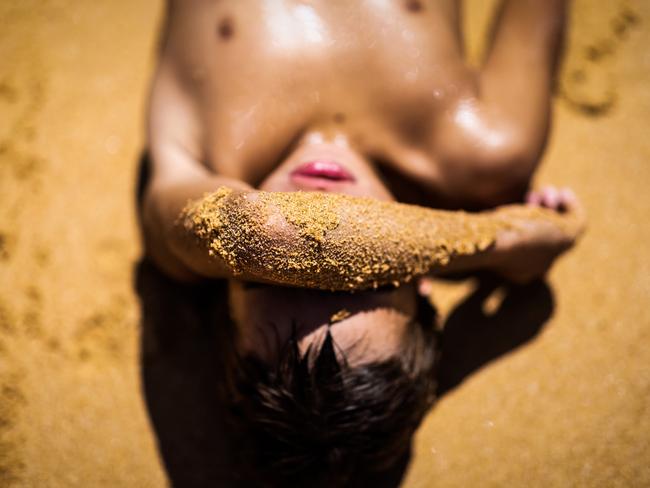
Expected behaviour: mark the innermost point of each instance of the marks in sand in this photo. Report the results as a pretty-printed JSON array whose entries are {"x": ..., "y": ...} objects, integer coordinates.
[
  {"x": 588, "y": 84},
  {"x": 12, "y": 401},
  {"x": 17, "y": 158}
]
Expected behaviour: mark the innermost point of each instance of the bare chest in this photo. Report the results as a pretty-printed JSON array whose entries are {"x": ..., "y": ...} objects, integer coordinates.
[{"x": 265, "y": 75}]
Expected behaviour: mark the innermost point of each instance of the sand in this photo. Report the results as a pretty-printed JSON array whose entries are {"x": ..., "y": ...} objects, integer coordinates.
[
  {"x": 568, "y": 407},
  {"x": 339, "y": 242}
]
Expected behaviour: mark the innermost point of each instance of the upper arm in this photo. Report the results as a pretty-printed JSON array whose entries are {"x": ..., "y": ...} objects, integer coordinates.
[
  {"x": 173, "y": 131},
  {"x": 178, "y": 175},
  {"x": 489, "y": 155},
  {"x": 497, "y": 131}
]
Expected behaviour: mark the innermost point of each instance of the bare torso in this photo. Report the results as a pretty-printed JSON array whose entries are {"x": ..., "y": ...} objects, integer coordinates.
[
  {"x": 251, "y": 94},
  {"x": 254, "y": 77}
]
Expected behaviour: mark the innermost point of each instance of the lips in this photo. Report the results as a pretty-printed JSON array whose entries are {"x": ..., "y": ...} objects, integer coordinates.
[{"x": 323, "y": 170}]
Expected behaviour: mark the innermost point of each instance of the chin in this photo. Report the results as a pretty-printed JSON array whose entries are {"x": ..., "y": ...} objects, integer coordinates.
[
  {"x": 357, "y": 188},
  {"x": 329, "y": 168}
]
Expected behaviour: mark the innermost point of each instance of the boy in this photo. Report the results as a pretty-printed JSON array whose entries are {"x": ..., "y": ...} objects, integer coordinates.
[{"x": 369, "y": 98}]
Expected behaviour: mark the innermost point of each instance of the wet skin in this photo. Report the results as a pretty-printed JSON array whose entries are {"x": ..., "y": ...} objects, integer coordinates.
[
  {"x": 248, "y": 92},
  {"x": 387, "y": 77}
]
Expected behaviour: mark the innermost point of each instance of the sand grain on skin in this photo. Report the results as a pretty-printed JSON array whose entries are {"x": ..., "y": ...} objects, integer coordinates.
[{"x": 340, "y": 242}]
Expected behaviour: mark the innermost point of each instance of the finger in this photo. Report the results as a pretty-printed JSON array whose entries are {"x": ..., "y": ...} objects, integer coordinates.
[
  {"x": 425, "y": 287},
  {"x": 550, "y": 197},
  {"x": 568, "y": 200},
  {"x": 534, "y": 198},
  {"x": 574, "y": 209}
]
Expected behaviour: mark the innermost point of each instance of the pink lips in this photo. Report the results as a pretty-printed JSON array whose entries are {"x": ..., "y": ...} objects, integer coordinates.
[{"x": 327, "y": 170}]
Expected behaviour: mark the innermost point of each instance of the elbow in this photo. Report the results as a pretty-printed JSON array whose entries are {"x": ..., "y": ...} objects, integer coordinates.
[{"x": 159, "y": 243}]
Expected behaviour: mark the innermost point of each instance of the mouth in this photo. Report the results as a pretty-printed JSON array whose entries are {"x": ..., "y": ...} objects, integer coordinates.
[{"x": 321, "y": 172}]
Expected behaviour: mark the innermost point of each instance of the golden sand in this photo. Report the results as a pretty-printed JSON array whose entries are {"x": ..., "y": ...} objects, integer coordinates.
[
  {"x": 340, "y": 242},
  {"x": 570, "y": 408}
]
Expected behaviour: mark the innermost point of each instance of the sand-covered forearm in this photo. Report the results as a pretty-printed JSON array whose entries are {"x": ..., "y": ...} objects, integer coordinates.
[
  {"x": 175, "y": 252},
  {"x": 338, "y": 242}
]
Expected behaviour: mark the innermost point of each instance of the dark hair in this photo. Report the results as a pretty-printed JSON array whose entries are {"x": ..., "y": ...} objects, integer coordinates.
[{"x": 313, "y": 420}]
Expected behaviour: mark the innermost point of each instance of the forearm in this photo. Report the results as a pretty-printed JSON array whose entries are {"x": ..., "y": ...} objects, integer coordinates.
[
  {"x": 166, "y": 243},
  {"x": 338, "y": 242}
]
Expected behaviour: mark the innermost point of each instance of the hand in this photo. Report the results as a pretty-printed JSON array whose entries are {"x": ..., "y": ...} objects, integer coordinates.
[{"x": 527, "y": 251}]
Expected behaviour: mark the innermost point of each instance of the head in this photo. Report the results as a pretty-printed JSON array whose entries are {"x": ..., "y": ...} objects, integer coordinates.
[
  {"x": 321, "y": 411},
  {"x": 329, "y": 387}
]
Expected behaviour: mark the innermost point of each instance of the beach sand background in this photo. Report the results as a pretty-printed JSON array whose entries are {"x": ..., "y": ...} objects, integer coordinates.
[{"x": 569, "y": 407}]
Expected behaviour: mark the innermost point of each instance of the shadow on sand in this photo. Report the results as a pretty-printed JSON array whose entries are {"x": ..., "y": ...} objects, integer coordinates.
[
  {"x": 183, "y": 329},
  {"x": 472, "y": 337},
  {"x": 181, "y": 371}
]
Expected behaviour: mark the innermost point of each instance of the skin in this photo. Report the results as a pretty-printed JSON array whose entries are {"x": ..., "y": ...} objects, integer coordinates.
[{"x": 245, "y": 91}]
